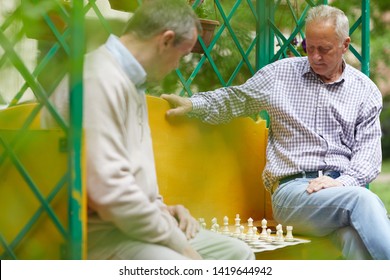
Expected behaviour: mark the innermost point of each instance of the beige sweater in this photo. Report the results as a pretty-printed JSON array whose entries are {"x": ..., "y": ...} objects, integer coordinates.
[{"x": 121, "y": 178}]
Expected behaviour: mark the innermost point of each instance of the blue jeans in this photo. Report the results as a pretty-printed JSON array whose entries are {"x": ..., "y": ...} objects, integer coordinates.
[{"x": 353, "y": 216}]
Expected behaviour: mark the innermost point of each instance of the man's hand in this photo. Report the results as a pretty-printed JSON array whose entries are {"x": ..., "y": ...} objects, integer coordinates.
[
  {"x": 188, "y": 224},
  {"x": 190, "y": 253},
  {"x": 180, "y": 105},
  {"x": 322, "y": 182}
]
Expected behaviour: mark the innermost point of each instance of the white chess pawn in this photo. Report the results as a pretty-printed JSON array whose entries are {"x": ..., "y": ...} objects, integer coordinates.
[
  {"x": 255, "y": 237},
  {"x": 237, "y": 226},
  {"x": 242, "y": 234},
  {"x": 279, "y": 233},
  {"x": 263, "y": 234},
  {"x": 289, "y": 235},
  {"x": 249, "y": 233},
  {"x": 269, "y": 236},
  {"x": 250, "y": 222},
  {"x": 279, "y": 236},
  {"x": 225, "y": 230}
]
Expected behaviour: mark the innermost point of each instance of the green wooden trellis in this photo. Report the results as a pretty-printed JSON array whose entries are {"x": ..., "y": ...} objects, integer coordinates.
[{"x": 70, "y": 42}]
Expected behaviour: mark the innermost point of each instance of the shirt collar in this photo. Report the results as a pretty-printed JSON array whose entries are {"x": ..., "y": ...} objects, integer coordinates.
[
  {"x": 128, "y": 62},
  {"x": 308, "y": 70}
]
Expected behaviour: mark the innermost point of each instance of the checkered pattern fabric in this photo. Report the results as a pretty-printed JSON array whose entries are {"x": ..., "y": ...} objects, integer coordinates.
[{"x": 314, "y": 125}]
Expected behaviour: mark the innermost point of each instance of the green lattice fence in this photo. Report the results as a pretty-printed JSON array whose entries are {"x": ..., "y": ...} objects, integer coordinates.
[{"x": 41, "y": 41}]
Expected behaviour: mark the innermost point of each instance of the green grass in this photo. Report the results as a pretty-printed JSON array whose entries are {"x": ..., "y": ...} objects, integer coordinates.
[
  {"x": 386, "y": 167},
  {"x": 381, "y": 186}
]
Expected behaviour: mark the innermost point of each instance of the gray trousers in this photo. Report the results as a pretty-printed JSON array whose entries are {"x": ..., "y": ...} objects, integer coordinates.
[{"x": 210, "y": 245}]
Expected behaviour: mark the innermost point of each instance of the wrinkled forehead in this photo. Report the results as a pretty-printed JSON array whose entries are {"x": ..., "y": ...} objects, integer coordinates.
[{"x": 322, "y": 30}]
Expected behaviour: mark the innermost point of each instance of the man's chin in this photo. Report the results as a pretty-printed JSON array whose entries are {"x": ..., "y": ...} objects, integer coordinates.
[{"x": 319, "y": 71}]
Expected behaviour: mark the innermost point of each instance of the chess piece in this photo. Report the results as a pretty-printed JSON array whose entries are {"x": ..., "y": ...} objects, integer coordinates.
[
  {"x": 249, "y": 233},
  {"x": 269, "y": 236},
  {"x": 289, "y": 235},
  {"x": 225, "y": 230},
  {"x": 242, "y": 234},
  {"x": 255, "y": 237},
  {"x": 250, "y": 222},
  {"x": 214, "y": 225},
  {"x": 237, "y": 226},
  {"x": 263, "y": 234},
  {"x": 279, "y": 233}
]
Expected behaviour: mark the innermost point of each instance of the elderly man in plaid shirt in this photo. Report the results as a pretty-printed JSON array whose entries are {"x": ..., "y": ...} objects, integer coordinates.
[{"x": 324, "y": 143}]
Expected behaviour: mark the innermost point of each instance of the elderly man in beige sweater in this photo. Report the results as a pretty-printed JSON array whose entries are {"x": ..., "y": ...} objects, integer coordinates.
[{"x": 127, "y": 218}]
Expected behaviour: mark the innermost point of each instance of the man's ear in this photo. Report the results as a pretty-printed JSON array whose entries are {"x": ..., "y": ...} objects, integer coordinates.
[
  {"x": 167, "y": 39},
  {"x": 346, "y": 43}
]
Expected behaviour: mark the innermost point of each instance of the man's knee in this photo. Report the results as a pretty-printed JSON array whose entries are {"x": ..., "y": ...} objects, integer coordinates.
[{"x": 215, "y": 246}]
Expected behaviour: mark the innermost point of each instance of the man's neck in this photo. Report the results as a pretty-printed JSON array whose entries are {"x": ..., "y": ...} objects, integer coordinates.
[{"x": 335, "y": 76}]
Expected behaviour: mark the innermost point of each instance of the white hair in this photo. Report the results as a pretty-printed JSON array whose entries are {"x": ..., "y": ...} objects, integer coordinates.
[{"x": 325, "y": 13}]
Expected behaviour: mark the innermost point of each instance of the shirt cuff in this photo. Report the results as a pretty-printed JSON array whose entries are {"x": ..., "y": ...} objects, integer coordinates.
[{"x": 198, "y": 105}]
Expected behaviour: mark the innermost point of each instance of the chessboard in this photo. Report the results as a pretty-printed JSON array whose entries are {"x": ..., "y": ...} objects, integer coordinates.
[{"x": 260, "y": 238}]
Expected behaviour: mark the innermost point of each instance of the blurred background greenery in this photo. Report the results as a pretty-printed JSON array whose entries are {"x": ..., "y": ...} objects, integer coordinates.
[
  {"x": 379, "y": 73},
  {"x": 381, "y": 185},
  {"x": 380, "y": 56}
]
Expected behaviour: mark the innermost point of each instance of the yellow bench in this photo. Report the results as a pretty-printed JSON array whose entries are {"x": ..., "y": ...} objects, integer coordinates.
[{"x": 215, "y": 171}]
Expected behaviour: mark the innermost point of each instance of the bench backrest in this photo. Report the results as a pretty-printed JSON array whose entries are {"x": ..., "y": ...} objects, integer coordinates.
[
  {"x": 214, "y": 170},
  {"x": 16, "y": 116}
]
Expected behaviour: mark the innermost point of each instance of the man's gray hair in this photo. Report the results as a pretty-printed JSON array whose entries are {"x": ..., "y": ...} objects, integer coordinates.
[
  {"x": 156, "y": 16},
  {"x": 325, "y": 13}
]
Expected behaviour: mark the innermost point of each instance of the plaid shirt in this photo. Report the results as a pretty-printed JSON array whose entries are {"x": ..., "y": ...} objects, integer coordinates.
[{"x": 314, "y": 126}]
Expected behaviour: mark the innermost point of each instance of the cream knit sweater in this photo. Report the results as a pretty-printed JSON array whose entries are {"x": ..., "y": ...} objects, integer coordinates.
[{"x": 121, "y": 179}]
